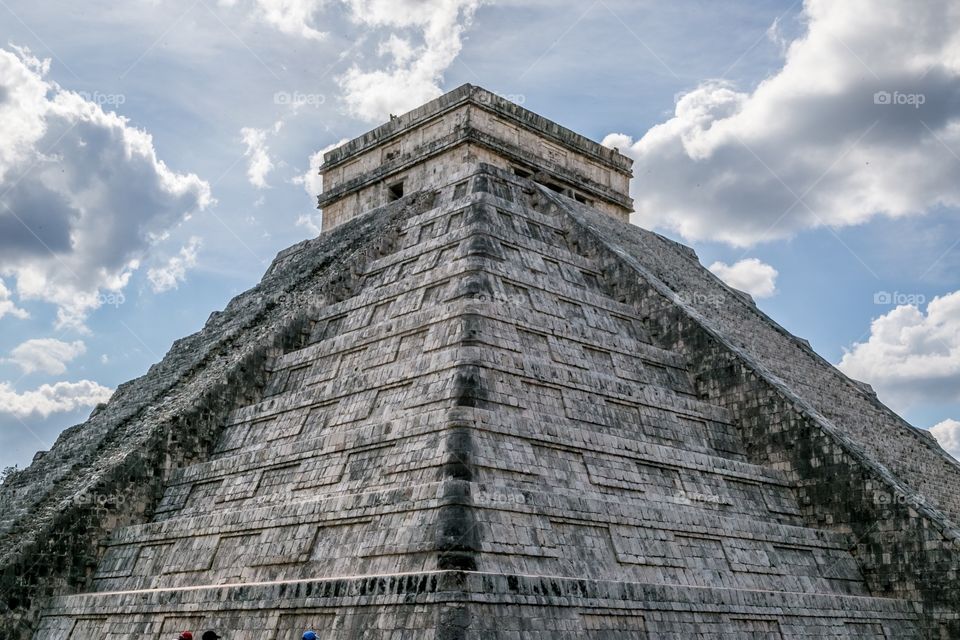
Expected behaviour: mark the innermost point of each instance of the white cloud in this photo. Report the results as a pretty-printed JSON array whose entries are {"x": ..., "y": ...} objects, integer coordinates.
[
  {"x": 171, "y": 274},
  {"x": 730, "y": 164},
  {"x": 751, "y": 275},
  {"x": 947, "y": 434},
  {"x": 421, "y": 38},
  {"x": 52, "y": 398},
  {"x": 415, "y": 71},
  {"x": 259, "y": 163},
  {"x": 293, "y": 17},
  {"x": 7, "y": 306},
  {"x": 312, "y": 181},
  {"x": 911, "y": 357},
  {"x": 48, "y": 355},
  {"x": 311, "y": 222},
  {"x": 85, "y": 195}
]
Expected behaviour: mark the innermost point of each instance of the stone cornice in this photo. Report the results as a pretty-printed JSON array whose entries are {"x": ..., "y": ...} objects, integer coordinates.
[
  {"x": 477, "y": 96},
  {"x": 461, "y": 136}
]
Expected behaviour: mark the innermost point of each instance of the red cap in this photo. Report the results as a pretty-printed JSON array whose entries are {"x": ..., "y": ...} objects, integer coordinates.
[{"x": 186, "y": 635}]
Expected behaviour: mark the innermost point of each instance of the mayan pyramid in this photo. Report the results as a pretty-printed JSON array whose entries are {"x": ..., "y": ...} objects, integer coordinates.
[{"x": 483, "y": 405}]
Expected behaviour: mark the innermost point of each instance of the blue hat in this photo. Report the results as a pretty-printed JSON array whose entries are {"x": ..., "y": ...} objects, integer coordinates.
[{"x": 309, "y": 635}]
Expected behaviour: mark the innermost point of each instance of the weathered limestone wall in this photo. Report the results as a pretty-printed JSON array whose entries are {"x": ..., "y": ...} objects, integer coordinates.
[
  {"x": 109, "y": 472},
  {"x": 457, "y": 605},
  {"x": 912, "y": 454},
  {"x": 452, "y": 162},
  {"x": 496, "y": 424},
  {"x": 493, "y": 433},
  {"x": 859, "y": 467},
  {"x": 423, "y": 147},
  {"x": 446, "y": 167}
]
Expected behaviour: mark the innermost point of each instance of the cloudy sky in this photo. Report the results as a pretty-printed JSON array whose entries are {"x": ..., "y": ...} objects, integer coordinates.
[{"x": 156, "y": 154}]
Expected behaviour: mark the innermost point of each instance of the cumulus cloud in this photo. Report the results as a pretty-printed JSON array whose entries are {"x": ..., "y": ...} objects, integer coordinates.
[
  {"x": 415, "y": 68},
  {"x": 311, "y": 222},
  {"x": 911, "y": 356},
  {"x": 751, "y": 275},
  {"x": 947, "y": 434},
  {"x": 174, "y": 271},
  {"x": 312, "y": 181},
  {"x": 84, "y": 196},
  {"x": 47, "y": 399},
  {"x": 259, "y": 162},
  {"x": 863, "y": 119},
  {"x": 7, "y": 306},
  {"x": 421, "y": 38},
  {"x": 48, "y": 355},
  {"x": 292, "y": 17}
]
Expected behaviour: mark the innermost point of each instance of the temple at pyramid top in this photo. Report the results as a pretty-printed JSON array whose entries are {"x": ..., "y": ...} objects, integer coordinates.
[{"x": 429, "y": 146}]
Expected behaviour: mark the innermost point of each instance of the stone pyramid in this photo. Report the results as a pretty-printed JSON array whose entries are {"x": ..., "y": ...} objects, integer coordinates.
[{"x": 482, "y": 405}]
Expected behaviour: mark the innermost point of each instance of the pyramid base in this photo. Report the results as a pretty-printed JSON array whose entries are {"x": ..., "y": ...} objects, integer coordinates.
[{"x": 452, "y": 605}]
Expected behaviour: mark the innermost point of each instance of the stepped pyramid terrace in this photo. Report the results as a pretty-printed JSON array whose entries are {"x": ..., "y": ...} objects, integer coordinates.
[{"x": 481, "y": 404}]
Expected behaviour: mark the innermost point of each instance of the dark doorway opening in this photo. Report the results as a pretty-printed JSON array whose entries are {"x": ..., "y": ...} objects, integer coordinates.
[{"x": 395, "y": 191}]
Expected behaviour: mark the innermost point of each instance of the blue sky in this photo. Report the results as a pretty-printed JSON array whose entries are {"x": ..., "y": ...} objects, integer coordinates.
[{"x": 156, "y": 154}]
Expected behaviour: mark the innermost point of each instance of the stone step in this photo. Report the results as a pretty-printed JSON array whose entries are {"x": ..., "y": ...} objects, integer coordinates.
[
  {"x": 393, "y": 452},
  {"x": 692, "y": 425},
  {"x": 552, "y": 281},
  {"x": 319, "y": 506},
  {"x": 316, "y": 414},
  {"x": 401, "y": 306},
  {"x": 564, "y": 433},
  {"x": 520, "y": 434},
  {"x": 500, "y": 329},
  {"x": 375, "y": 337},
  {"x": 578, "y": 382},
  {"x": 432, "y": 230},
  {"x": 532, "y": 532},
  {"x": 490, "y": 606},
  {"x": 307, "y": 411}
]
